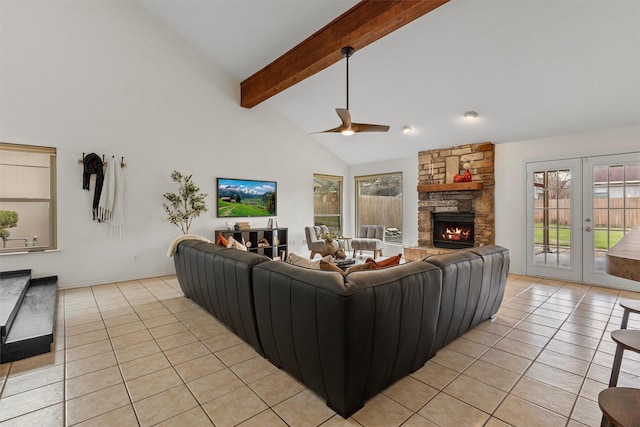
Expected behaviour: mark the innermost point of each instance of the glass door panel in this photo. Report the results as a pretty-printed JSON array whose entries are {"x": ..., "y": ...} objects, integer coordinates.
[
  {"x": 570, "y": 231},
  {"x": 553, "y": 212},
  {"x": 612, "y": 197}
]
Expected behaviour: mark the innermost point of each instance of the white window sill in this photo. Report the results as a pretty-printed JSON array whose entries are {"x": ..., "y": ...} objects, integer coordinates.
[{"x": 30, "y": 252}]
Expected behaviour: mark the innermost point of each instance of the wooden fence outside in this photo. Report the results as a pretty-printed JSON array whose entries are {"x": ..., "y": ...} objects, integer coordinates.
[
  {"x": 373, "y": 210},
  {"x": 609, "y": 212},
  {"x": 326, "y": 203},
  {"x": 383, "y": 210}
]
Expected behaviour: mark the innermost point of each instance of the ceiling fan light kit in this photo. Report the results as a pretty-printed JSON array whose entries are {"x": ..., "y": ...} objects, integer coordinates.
[{"x": 348, "y": 127}]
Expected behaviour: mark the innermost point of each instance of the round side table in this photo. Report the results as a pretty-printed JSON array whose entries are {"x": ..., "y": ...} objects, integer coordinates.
[
  {"x": 620, "y": 406},
  {"x": 629, "y": 306}
]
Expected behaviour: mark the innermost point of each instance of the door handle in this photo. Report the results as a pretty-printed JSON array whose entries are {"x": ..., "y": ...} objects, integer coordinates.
[{"x": 587, "y": 229}]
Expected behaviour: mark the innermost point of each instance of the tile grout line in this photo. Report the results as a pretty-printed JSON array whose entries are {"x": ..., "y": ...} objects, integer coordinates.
[
  {"x": 545, "y": 347},
  {"x": 584, "y": 378},
  {"x": 521, "y": 375},
  {"x": 465, "y": 369},
  {"x": 115, "y": 355},
  {"x": 589, "y": 295}
]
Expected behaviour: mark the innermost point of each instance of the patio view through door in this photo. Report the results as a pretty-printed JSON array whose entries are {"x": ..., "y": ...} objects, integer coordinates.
[{"x": 577, "y": 209}]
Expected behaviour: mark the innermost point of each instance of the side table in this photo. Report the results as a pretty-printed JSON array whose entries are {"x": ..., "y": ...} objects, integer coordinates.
[
  {"x": 628, "y": 306},
  {"x": 620, "y": 406}
]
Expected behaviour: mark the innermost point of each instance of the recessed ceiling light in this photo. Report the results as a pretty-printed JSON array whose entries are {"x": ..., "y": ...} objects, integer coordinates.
[
  {"x": 471, "y": 115},
  {"x": 407, "y": 129}
]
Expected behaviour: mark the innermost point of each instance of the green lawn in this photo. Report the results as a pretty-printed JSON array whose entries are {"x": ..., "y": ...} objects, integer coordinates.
[
  {"x": 241, "y": 209},
  {"x": 563, "y": 236}
]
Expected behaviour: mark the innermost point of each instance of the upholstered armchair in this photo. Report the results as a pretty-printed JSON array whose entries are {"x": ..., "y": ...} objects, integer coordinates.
[
  {"x": 314, "y": 243},
  {"x": 370, "y": 238}
]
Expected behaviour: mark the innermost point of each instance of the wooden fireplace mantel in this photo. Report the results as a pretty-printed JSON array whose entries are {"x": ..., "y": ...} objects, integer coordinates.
[{"x": 458, "y": 186}]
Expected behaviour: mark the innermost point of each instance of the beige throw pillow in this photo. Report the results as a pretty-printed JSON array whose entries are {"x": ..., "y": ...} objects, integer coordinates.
[
  {"x": 332, "y": 267},
  {"x": 233, "y": 243},
  {"x": 305, "y": 262}
]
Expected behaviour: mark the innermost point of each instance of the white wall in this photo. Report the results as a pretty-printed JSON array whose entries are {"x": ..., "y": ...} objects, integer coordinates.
[
  {"x": 409, "y": 168},
  {"x": 510, "y": 160},
  {"x": 510, "y": 163},
  {"x": 103, "y": 77}
]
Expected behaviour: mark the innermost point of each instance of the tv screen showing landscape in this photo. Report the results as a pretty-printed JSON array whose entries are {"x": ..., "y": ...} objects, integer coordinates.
[{"x": 246, "y": 198}]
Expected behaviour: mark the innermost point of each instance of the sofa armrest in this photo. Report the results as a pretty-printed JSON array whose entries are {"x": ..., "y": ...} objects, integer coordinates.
[
  {"x": 473, "y": 284},
  {"x": 461, "y": 291},
  {"x": 494, "y": 276}
]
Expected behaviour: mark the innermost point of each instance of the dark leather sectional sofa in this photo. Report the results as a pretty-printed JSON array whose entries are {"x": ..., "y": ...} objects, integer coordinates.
[{"x": 345, "y": 337}]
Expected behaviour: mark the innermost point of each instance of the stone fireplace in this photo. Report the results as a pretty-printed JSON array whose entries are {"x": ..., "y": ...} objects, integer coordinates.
[{"x": 438, "y": 194}]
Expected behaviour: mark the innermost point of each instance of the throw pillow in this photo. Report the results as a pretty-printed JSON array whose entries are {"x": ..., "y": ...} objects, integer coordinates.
[
  {"x": 394, "y": 260},
  {"x": 305, "y": 262},
  {"x": 327, "y": 266},
  {"x": 359, "y": 267},
  {"x": 233, "y": 243},
  {"x": 222, "y": 241}
]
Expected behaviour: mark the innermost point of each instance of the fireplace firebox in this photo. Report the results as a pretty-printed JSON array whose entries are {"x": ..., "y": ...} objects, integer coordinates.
[{"x": 453, "y": 230}]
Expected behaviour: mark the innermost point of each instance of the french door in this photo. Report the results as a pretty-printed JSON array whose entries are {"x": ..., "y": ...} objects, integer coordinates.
[{"x": 577, "y": 209}]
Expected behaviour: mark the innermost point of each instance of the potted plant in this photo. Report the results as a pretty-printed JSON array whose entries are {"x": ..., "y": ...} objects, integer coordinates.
[
  {"x": 329, "y": 247},
  {"x": 8, "y": 219},
  {"x": 187, "y": 204}
]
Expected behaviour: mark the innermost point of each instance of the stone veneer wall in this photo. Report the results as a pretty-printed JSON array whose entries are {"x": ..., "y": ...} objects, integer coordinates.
[{"x": 446, "y": 163}]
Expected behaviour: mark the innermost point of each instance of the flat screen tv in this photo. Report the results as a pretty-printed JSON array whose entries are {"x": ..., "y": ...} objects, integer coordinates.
[{"x": 246, "y": 198}]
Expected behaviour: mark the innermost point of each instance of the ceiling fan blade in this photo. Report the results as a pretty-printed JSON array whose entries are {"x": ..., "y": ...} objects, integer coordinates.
[
  {"x": 348, "y": 127},
  {"x": 362, "y": 127},
  {"x": 338, "y": 129},
  {"x": 345, "y": 116}
]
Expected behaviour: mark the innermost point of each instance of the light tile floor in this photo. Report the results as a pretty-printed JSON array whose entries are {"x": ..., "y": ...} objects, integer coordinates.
[{"x": 139, "y": 353}]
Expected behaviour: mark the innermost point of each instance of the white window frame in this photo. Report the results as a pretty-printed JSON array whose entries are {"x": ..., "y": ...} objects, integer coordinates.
[
  {"x": 357, "y": 180},
  {"x": 31, "y": 244},
  {"x": 340, "y": 181}
]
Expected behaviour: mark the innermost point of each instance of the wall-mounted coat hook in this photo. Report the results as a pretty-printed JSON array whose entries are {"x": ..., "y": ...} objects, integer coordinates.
[{"x": 122, "y": 163}]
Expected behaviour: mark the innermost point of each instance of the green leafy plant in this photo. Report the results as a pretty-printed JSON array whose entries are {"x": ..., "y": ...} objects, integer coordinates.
[
  {"x": 328, "y": 237},
  {"x": 8, "y": 219},
  {"x": 186, "y": 205}
]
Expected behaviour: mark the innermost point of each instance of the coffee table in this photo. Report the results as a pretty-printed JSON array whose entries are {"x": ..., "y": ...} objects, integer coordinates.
[{"x": 345, "y": 263}]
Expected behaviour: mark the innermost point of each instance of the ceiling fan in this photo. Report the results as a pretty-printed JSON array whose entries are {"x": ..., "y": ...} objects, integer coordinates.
[{"x": 348, "y": 127}]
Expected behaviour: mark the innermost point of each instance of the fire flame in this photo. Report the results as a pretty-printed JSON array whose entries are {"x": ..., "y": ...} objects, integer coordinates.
[{"x": 456, "y": 234}]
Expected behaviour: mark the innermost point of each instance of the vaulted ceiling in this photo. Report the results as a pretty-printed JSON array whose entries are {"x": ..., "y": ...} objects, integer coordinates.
[{"x": 530, "y": 68}]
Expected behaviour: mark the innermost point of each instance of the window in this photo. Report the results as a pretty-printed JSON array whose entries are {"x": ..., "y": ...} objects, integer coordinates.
[
  {"x": 327, "y": 202},
  {"x": 379, "y": 202},
  {"x": 27, "y": 198}
]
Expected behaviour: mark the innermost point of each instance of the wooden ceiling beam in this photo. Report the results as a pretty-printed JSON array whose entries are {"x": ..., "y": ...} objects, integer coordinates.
[{"x": 364, "y": 23}]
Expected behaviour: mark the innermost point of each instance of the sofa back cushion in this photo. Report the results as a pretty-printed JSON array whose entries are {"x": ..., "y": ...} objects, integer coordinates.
[
  {"x": 496, "y": 261},
  {"x": 220, "y": 281},
  {"x": 347, "y": 338},
  {"x": 473, "y": 283},
  {"x": 461, "y": 288}
]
